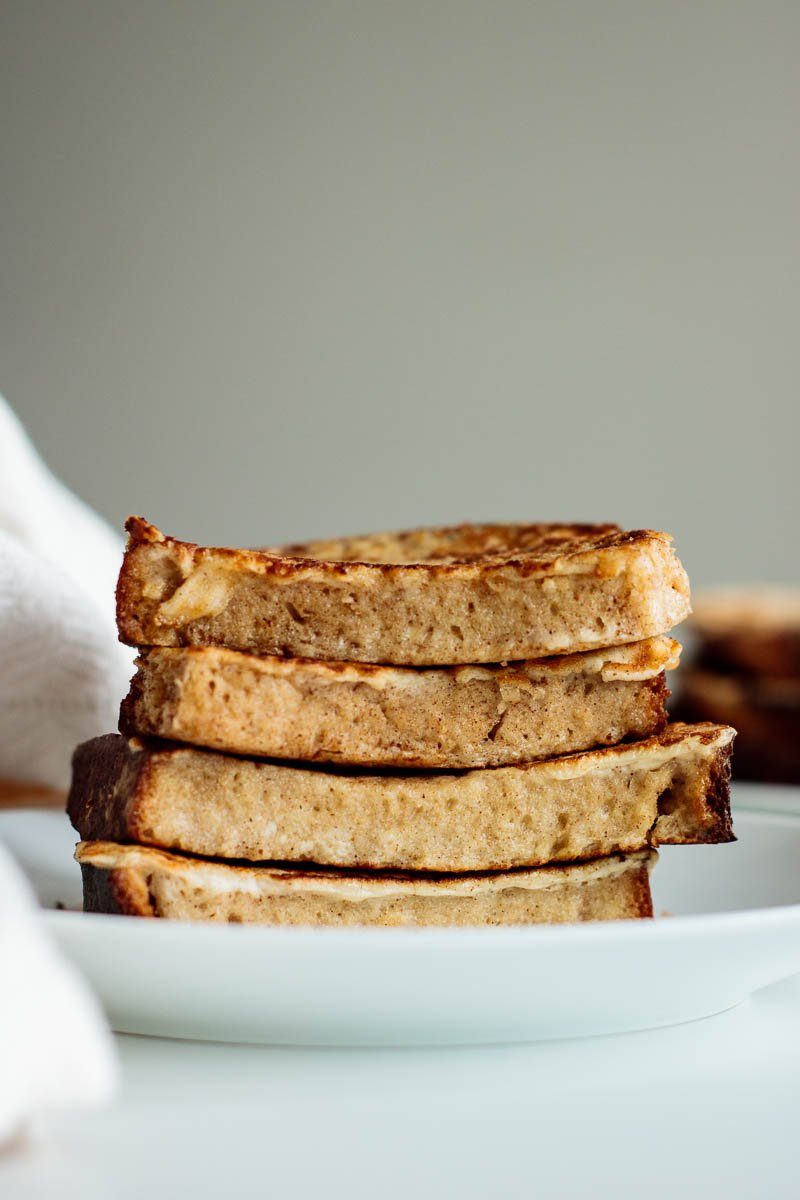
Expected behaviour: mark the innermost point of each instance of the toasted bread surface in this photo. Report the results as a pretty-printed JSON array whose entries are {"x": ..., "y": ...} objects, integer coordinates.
[
  {"x": 141, "y": 881},
  {"x": 468, "y": 594},
  {"x": 398, "y": 716},
  {"x": 671, "y": 788}
]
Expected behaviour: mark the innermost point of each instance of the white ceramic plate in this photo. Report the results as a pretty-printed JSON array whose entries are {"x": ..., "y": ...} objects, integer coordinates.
[{"x": 735, "y": 928}]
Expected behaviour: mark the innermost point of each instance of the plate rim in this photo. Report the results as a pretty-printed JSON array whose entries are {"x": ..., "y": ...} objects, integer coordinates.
[{"x": 662, "y": 928}]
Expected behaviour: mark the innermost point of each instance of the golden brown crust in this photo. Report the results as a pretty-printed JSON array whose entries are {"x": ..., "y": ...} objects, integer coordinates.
[
  {"x": 136, "y": 881},
  {"x": 399, "y": 717},
  {"x": 669, "y": 789},
  {"x": 448, "y": 549},
  {"x": 529, "y": 547},
  {"x": 461, "y": 595}
]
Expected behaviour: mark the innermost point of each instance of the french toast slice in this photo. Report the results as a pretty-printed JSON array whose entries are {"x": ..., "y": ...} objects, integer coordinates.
[
  {"x": 668, "y": 789},
  {"x": 145, "y": 882},
  {"x": 466, "y": 594},
  {"x": 359, "y": 714}
]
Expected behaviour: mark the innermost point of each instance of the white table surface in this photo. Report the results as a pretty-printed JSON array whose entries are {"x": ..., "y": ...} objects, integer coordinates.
[{"x": 708, "y": 1109}]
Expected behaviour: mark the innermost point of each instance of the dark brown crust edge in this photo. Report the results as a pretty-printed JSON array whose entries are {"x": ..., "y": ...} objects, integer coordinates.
[
  {"x": 128, "y": 724},
  {"x": 119, "y": 892},
  {"x": 643, "y": 896},
  {"x": 109, "y": 776},
  {"x": 718, "y": 800},
  {"x": 659, "y": 698}
]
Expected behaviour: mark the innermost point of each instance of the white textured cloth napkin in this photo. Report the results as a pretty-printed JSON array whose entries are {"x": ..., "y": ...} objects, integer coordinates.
[
  {"x": 62, "y": 670},
  {"x": 62, "y": 675},
  {"x": 55, "y": 1050}
]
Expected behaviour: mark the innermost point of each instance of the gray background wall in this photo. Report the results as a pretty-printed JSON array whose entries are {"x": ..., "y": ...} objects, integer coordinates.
[{"x": 276, "y": 270}]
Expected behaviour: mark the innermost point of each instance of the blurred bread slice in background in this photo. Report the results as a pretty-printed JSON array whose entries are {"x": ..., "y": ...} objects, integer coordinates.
[{"x": 744, "y": 671}]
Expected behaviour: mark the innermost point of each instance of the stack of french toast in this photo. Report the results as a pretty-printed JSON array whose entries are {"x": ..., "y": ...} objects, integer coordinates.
[{"x": 458, "y": 726}]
